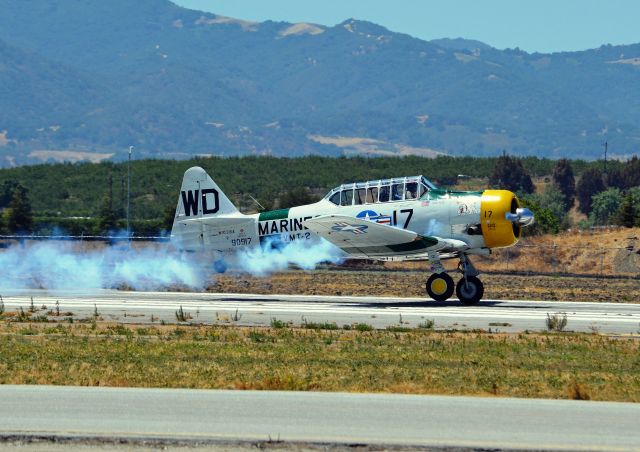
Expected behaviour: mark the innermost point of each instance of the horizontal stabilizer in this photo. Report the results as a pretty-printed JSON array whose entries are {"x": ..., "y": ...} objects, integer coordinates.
[{"x": 219, "y": 221}]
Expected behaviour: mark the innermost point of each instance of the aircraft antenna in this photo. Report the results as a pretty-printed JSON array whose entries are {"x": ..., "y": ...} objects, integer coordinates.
[{"x": 256, "y": 201}]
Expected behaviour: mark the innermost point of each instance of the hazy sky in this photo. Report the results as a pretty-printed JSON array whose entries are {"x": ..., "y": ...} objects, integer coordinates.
[{"x": 532, "y": 25}]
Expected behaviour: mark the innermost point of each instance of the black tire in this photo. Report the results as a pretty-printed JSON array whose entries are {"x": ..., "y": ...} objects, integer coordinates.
[
  {"x": 470, "y": 291},
  {"x": 437, "y": 293}
]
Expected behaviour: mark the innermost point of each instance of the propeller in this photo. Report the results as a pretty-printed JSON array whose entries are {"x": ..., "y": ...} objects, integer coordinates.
[{"x": 522, "y": 216}]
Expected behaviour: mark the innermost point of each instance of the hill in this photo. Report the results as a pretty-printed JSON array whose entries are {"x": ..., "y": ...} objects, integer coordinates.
[{"x": 87, "y": 75}]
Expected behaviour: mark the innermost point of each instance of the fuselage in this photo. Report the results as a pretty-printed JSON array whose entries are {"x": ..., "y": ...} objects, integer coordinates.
[
  {"x": 474, "y": 217},
  {"x": 405, "y": 218}
]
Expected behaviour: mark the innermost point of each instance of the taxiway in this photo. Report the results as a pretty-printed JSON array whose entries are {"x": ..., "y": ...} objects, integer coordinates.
[{"x": 113, "y": 414}]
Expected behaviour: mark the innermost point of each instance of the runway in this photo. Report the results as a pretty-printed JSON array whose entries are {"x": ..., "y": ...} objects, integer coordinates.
[
  {"x": 379, "y": 312},
  {"x": 308, "y": 417}
]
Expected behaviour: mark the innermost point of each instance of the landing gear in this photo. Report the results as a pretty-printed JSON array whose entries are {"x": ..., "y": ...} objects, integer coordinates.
[
  {"x": 440, "y": 286},
  {"x": 469, "y": 289}
]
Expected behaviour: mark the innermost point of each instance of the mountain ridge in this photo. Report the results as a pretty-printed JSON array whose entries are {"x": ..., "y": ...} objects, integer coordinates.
[{"x": 175, "y": 82}]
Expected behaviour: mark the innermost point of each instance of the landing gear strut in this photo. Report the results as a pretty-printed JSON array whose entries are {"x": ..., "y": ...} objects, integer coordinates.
[
  {"x": 440, "y": 285},
  {"x": 469, "y": 289}
]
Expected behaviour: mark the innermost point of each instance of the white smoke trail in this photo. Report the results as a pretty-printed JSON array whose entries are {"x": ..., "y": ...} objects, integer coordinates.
[
  {"x": 273, "y": 257},
  {"x": 69, "y": 266},
  {"x": 60, "y": 265}
]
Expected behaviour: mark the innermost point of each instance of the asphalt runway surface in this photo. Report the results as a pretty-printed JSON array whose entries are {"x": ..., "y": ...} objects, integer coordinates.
[
  {"x": 308, "y": 417},
  {"x": 379, "y": 312}
]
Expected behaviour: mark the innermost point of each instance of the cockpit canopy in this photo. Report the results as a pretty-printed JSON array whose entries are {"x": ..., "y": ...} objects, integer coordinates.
[{"x": 379, "y": 191}]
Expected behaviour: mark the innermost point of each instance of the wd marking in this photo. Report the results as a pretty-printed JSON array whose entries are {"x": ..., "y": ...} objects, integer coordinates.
[{"x": 210, "y": 201}]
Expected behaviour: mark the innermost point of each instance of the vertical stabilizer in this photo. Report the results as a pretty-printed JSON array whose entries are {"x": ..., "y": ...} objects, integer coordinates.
[{"x": 200, "y": 199}]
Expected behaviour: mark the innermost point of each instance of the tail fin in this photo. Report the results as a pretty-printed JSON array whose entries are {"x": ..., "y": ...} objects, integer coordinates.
[
  {"x": 201, "y": 200},
  {"x": 200, "y": 197}
]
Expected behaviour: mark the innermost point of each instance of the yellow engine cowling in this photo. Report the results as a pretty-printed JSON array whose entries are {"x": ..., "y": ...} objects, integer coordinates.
[{"x": 497, "y": 230}]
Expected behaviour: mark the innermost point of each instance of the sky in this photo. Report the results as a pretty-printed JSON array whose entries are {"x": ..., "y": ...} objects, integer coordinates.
[{"x": 533, "y": 25}]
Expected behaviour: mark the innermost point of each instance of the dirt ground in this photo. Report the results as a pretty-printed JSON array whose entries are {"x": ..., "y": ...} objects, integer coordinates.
[
  {"x": 601, "y": 265},
  {"x": 573, "y": 266},
  {"x": 411, "y": 283}
]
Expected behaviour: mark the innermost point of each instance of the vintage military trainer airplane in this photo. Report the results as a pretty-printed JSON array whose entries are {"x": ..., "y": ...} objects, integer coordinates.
[{"x": 405, "y": 218}]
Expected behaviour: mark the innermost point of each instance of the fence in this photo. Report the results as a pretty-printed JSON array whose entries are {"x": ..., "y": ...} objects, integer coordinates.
[{"x": 81, "y": 238}]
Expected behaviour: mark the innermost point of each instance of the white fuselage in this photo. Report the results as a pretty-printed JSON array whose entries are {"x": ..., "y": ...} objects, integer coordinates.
[
  {"x": 431, "y": 219},
  {"x": 447, "y": 217}
]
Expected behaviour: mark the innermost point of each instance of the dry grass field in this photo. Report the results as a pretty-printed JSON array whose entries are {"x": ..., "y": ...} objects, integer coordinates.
[
  {"x": 358, "y": 359},
  {"x": 608, "y": 252},
  {"x": 420, "y": 361}
]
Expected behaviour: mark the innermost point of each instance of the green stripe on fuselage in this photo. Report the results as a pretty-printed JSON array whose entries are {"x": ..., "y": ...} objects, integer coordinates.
[
  {"x": 272, "y": 215},
  {"x": 279, "y": 214}
]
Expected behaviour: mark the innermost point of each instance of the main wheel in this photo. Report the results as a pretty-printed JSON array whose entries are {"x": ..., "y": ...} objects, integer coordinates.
[
  {"x": 440, "y": 286},
  {"x": 470, "y": 290}
]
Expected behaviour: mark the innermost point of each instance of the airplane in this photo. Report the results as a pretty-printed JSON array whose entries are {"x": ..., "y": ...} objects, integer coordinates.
[{"x": 405, "y": 218}]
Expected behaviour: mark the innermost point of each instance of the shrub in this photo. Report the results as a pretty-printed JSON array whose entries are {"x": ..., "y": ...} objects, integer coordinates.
[
  {"x": 363, "y": 327},
  {"x": 182, "y": 315},
  {"x": 427, "y": 324},
  {"x": 278, "y": 324},
  {"x": 557, "y": 321}
]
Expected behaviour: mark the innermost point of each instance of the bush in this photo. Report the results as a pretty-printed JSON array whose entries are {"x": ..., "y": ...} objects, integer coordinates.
[
  {"x": 363, "y": 327},
  {"x": 546, "y": 222},
  {"x": 278, "y": 324},
  {"x": 605, "y": 205},
  {"x": 427, "y": 324},
  {"x": 182, "y": 315},
  {"x": 557, "y": 321}
]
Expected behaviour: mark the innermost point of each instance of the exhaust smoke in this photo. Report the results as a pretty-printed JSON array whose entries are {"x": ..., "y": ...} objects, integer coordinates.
[
  {"x": 63, "y": 266},
  {"x": 57, "y": 265},
  {"x": 275, "y": 256}
]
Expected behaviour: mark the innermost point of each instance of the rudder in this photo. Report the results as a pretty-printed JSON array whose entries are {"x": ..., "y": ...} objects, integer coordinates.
[
  {"x": 200, "y": 197},
  {"x": 200, "y": 202}
]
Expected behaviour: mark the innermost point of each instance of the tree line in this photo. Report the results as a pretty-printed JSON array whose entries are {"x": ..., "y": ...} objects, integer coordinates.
[
  {"x": 607, "y": 196},
  {"x": 91, "y": 199}
]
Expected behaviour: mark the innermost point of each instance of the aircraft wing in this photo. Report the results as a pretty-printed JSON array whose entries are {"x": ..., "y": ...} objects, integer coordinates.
[{"x": 363, "y": 238}]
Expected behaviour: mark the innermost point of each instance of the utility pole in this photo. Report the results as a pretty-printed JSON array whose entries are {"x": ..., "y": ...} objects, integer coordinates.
[
  {"x": 606, "y": 147},
  {"x": 129, "y": 190},
  {"x": 110, "y": 192}
]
